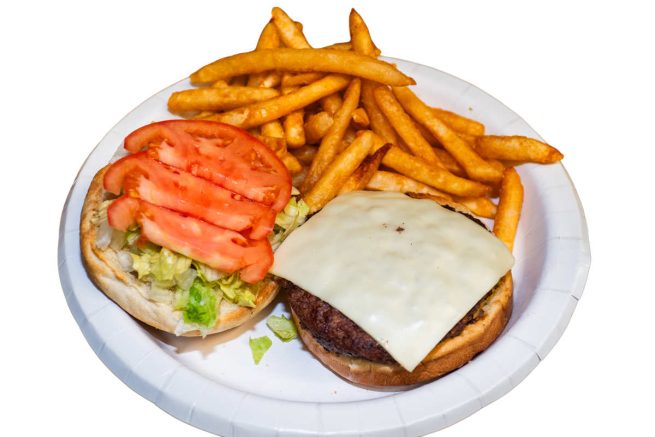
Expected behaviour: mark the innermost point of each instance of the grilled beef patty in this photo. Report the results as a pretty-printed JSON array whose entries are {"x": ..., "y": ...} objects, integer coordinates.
[{"x": 337, "y": 333}]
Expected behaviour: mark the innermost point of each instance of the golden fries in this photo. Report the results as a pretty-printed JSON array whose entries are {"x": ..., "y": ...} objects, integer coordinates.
[
  {"x": 290, "y": 34},
  {"x": 294, "y": 130},
  {"x": 360, "y": 37},
  {"x": 302, "y": 60},
  {"x": 360, "y": 119},
  {"x": 458, "y": 123},
  {"x": 331, "y": 103},
  {"x": 517, "y": 148},
  {"x": 436, "y": 177},
  {"x": 449, "y": 162},
  {"x": 290, "y": 80},
  {"x": 330, "y": 144},
  {"x": 476, "y": 167},
  {"x": 305, "y": 154},
  {"x": 260, "y": 113},
  {"x": 273, "y": 129},
  {"x": 269, "y": 39},
  {"x": 387, "y": 181},
  {"x": 404, "y": 126},
  {"x": 316, "y": 126},
  {"x": 328, "y": 186},
  {"x": 348, "y": 46},
  {"x": 378, "y": 121},
  {"x": 218, "y": 99},
  {"x": 295, "y": 100},
  {"x": 480, "y": 206},
  {"x": 509, "y": 208},
  {"x": 279, "y": 146},
  {"x": 360, "y": 178}
]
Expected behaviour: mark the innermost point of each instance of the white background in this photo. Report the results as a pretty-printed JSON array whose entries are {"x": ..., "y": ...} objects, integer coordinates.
[{"x": 580, "y": 73}]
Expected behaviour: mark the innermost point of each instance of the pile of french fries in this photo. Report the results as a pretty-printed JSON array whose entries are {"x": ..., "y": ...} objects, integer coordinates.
[{"x": 342, "y": 120}]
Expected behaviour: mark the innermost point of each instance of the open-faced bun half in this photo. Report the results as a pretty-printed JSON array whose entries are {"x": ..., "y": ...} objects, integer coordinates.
[{"x": 129, "y": 293}]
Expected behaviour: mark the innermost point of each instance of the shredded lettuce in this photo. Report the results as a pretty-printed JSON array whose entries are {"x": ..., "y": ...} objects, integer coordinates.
[
  {"x": 201, "y": 304},
  {"x": 292, "y": 216},
  {"x": 236, "y": 291},
  {"x": 206, "y": 273},
  {"x": 282, "y": 327},
  {"x": 259, "y": 346},
  {"x": 187, "y": 285}
]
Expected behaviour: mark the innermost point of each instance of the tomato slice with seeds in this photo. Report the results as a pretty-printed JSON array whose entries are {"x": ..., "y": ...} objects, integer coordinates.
[
  {"x": 220, "y": 153},
  {"x": 139, "y": 176},
  {"x": 219, "y": 248}
]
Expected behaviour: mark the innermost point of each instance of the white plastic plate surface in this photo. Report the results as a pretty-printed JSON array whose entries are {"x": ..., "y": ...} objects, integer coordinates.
[{"x": 213, "y": 383}]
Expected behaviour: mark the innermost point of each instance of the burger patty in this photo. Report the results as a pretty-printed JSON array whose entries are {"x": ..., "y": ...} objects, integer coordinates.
[{"x": 337, "y": 333}]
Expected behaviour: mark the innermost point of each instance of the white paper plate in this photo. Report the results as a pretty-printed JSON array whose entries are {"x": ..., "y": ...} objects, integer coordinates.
[{"x": 213, "y": 384}]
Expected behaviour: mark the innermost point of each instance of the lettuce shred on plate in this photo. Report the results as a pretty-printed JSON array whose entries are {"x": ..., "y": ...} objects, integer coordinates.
[
  {"x": 283, "y": 328},
  {"x": 259, "y": 346},
  {"x": 188, "y": 285}
]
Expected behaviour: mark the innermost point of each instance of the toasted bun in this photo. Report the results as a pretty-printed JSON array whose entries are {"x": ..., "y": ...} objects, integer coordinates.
[
  {"x": 446, "y": 356},
  {"x": 131, "y": 294}
]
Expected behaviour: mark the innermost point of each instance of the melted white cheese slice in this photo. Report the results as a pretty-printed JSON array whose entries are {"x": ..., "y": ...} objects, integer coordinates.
[{"x": 404, "y": 270}]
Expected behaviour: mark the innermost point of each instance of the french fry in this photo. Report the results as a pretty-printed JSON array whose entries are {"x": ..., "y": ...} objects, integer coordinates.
[
  {"x": 290, "y": 80},
  {"x": 217, "y": 99},
  {"x": 293, "y": 123},
  {"x": 290, "y": 34},
  {"x": 340, "y": 46},
  {"x": 273, "y": 129},
  {"x": 360, "y": 37},
  {"x": 330, "y": 143},
  {"x": 302, "y": 60},
  {"x": 480, "y": 206},
  {"x": 349, "y": 135},
  {"x": 360, "y": 118},
  {"x": 360, "y": 178},
  {"x": 509, "y": 208},
  {"x": 317, "y": 126},
  {"x": 238, "y": 80},
  {"x": 388, "y": 181},
  {"x": 305, "y": 154},
  {"x": 459, "y": 123},
  {"x": 220, "y": 84},
  {"x": 295, "y": 39},
  {"x": 331, "y": 181},
  {"x": 268, "y": 39},
  {"x": 279, "y": 146},
  {"x": 517, "y": 148},
  {"x": 427, "y": 135},
  {"x": 404, "y": 126},
  {"x": 378, "y": 121},
  {"x": 470, "y": 139},
  {"x": 476, "y": 167},
  {"x": 331, "y": 103},
  {"x": 260, "y": 113},
  {"x": 441, "y": 179},
  {"x": 449, "y": 162},
  {"x": 294, "y": 130},
  {"x": 348, "y": 46}
]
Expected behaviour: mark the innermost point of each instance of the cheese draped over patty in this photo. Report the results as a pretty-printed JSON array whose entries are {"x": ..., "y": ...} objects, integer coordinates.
[{"x": 405, "y": 270}]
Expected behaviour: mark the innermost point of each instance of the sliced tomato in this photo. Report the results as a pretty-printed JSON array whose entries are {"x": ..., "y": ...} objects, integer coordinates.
[
  {"x": 139, "y": 176},
  {"x": 219, "y": 248},
  {"x": 223, "y": 154}
]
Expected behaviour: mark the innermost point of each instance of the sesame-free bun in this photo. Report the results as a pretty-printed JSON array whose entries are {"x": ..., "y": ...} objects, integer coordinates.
[{"x": 131, "y": 294}]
